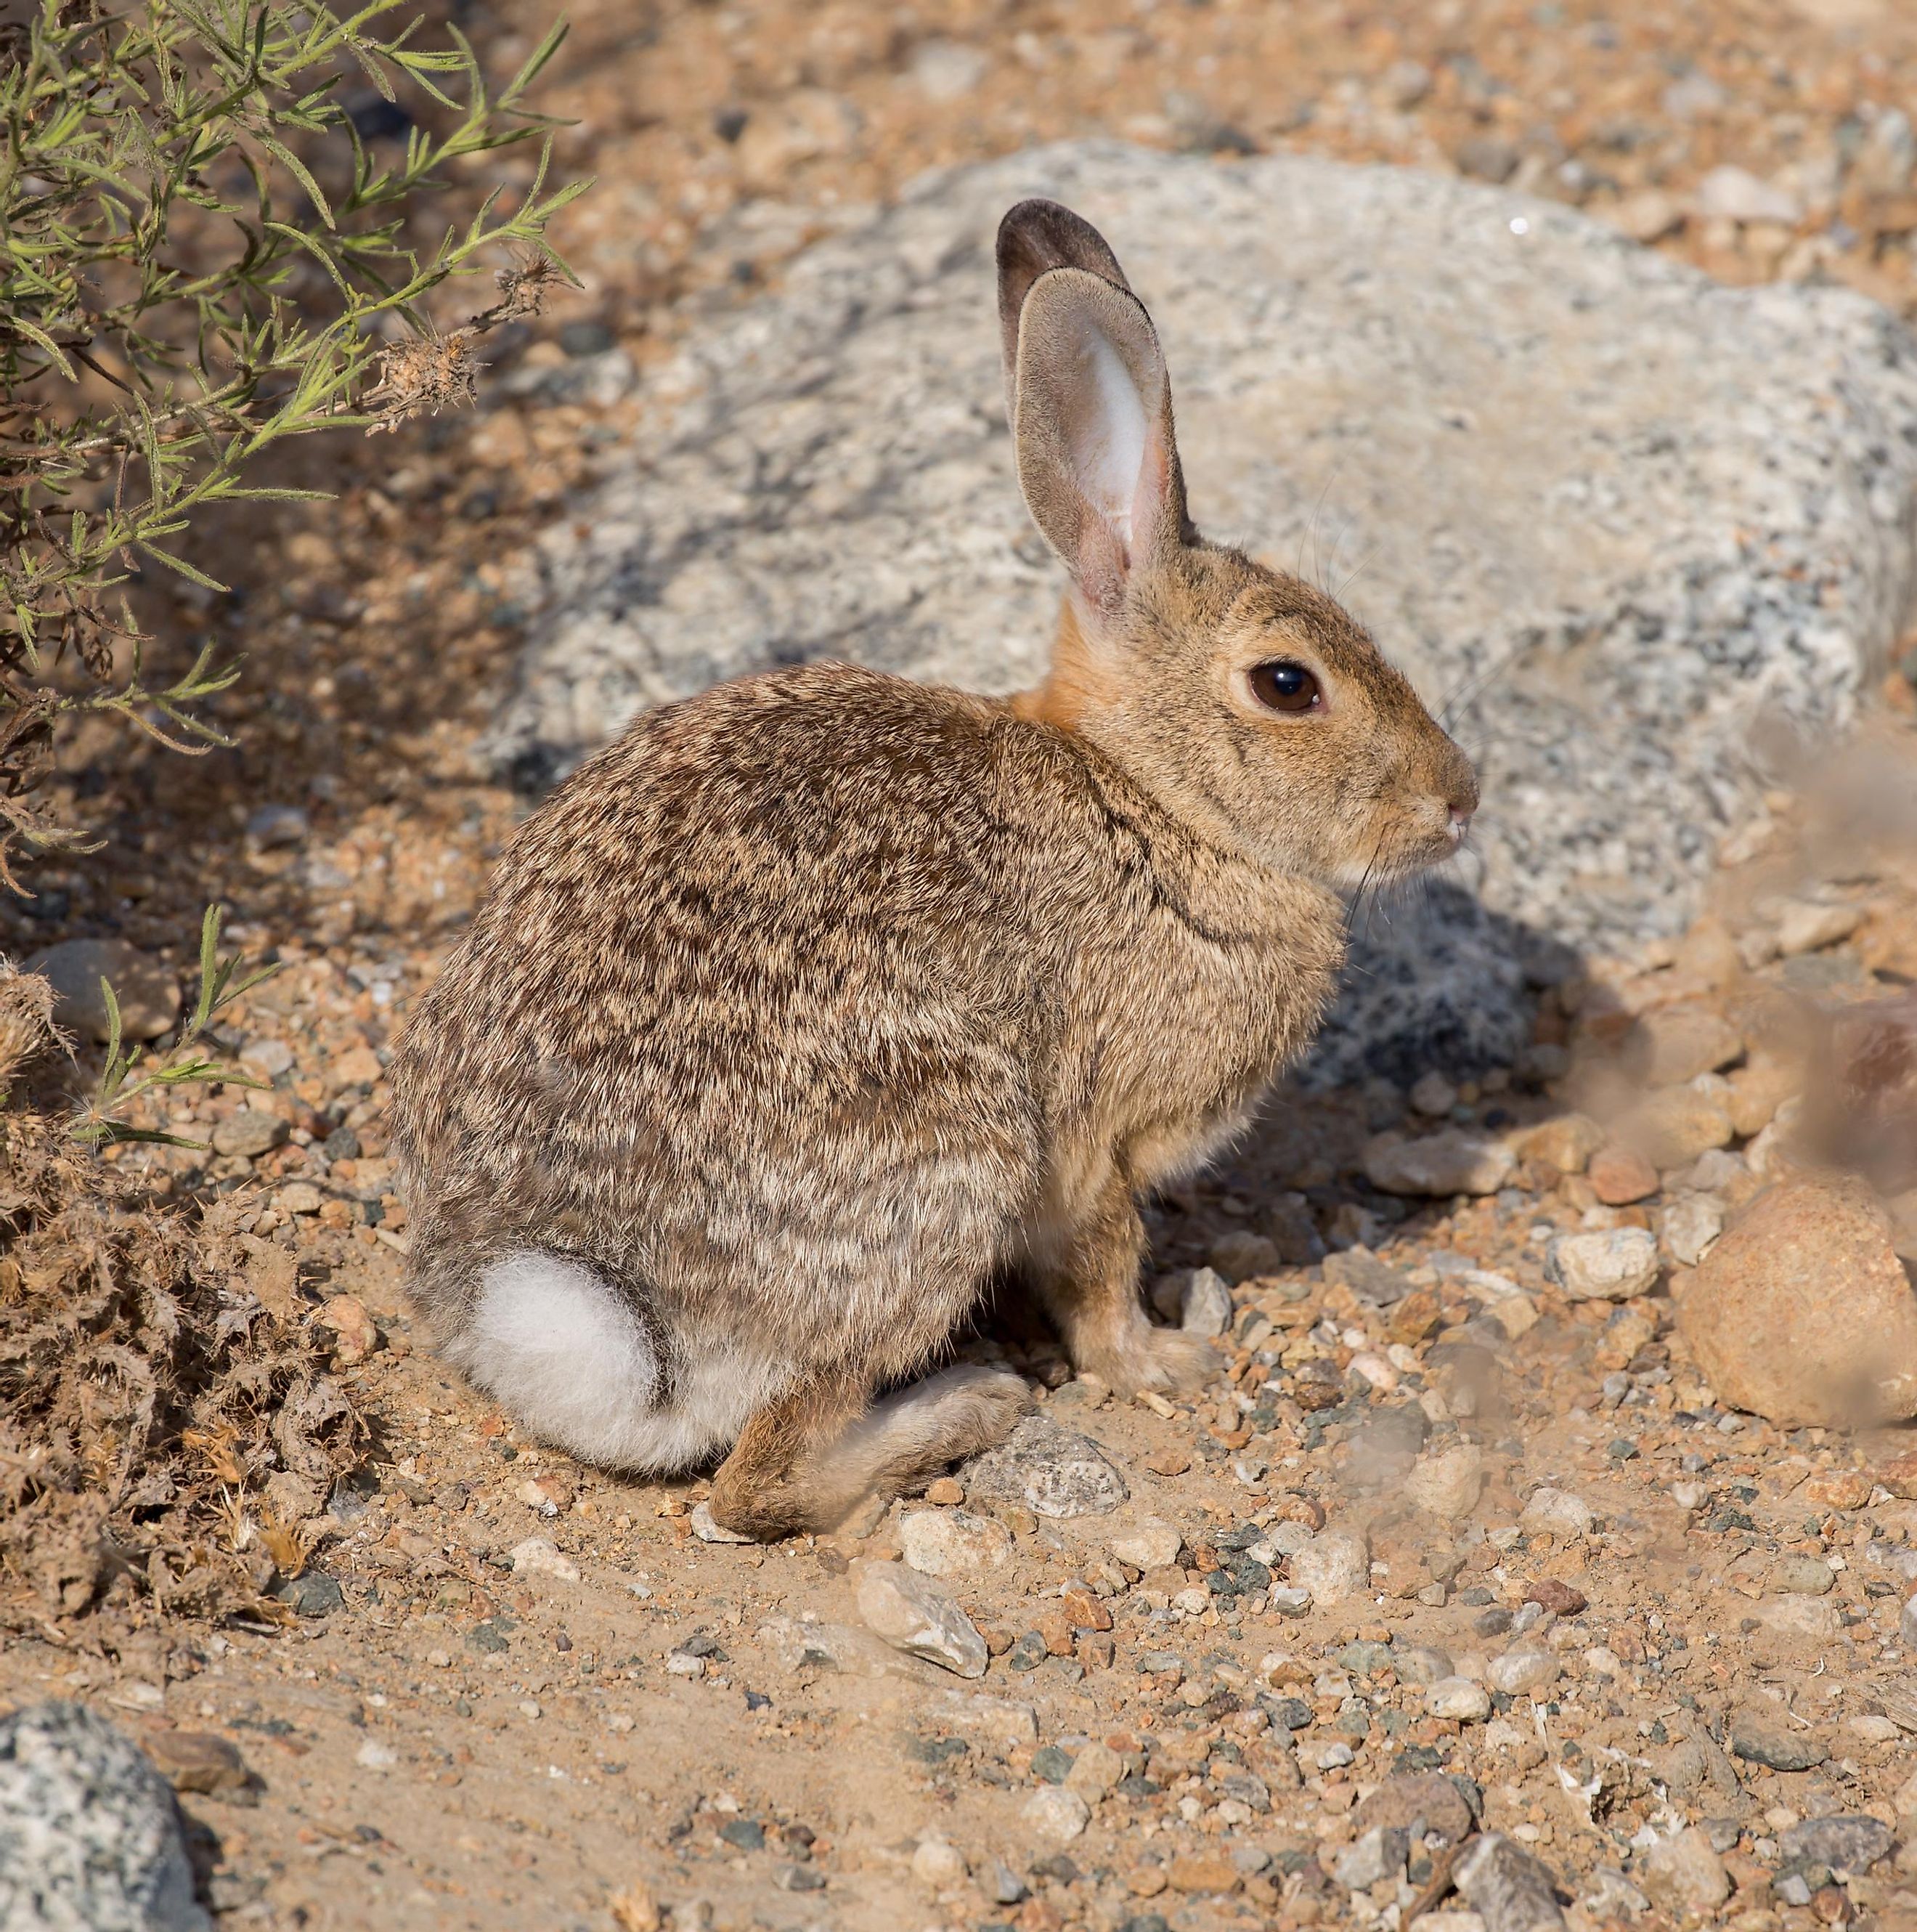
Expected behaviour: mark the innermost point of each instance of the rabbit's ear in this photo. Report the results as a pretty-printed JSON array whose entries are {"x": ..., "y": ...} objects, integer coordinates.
[
  {"x": 1091, "y": 420},
  {"x": 1034, "y": 237}
]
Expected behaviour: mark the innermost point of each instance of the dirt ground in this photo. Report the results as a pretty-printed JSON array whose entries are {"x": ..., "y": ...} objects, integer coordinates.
[{"x": 536, "y": 1696}]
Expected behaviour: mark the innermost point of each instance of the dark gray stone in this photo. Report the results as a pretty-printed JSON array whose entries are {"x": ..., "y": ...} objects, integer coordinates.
[
  {"x": 1762, "y": 1737},
  {"x": 1846, "y": 1844},
  {"x": 1513, "y": 1892}
]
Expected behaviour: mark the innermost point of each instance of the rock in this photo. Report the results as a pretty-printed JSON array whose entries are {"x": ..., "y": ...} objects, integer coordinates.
[
  {"x": 1523, "y": 1669},
  {"x": 1646, "y": 216},
  {"x": 1205, "y": 1308},
  {"x": 1377, "y": 1853},
  {"x": 248, "y": 1134},
  {"x": 953, "y": 1543},
  {"x": 998, "y": 1723},
  {"x": 1907, "y": 1624},
  {"x": 355, "y": 1334},
  {"x": 1735, "y": 194},
  {"x": 313, "y": 1593},
  {"x": 1560, "y": 1598},
  {"x": 271, "y": 826},
  {"x": 148, "y": 994},
  {"x": 1334, "y": 1565},
  {"x": 1690, "y": 1226},
  {"x": 1096, "y": 1770},
  {"x": 1447, "y": 1483},
  {"x": 1511, "y": 1890},
  {"x": 298, "y": 1197},
  {"x": 1811, "y": 1618},
  {"x": 267, "y": 1060},
  {"x": 1454, "y": 1162},
  {"x": 1368, "y": 1278},
  {"x": 1762, "y": 1734},
  {"x": 1803, "y": 1313},
  {"x": 1420, "y": 1663},
  {"x": 1566, "y": 1142},
  {"x": 1619, "y": 1177},
  {"x": 202, "y": 1762},
  {"x": 1443, "y": 1920},
  {"x": 1671, "y": 1128},
  {"x": 1424, "y": 1803},
  {"x": 1149, "y": 1544},
  {"x": 1055, "y": 1814},
  {"x": 947, "y": 69},
  {"x": 1458, "y": 1698},
  {"x": 1202, "y": 1874},
  {"x": 91, "y": 1836},
  {"x": 1849, "y": 1844},
  {"x": 1237, "y": 1257},
  {"x": 538, "y": 1557},
  {"x": 1802, "y": 1577},
  {"x": 916, "y": 1616},
  {"x": 1432, "y": 1095},
  {"x": 1683, "y": 1874},
  {"x": 1670, "y": 1044},
  {"x": 1807, "y": 926},
  {"x": 1054, "y": 1472},
  {"x": 1758, "y": 1089},
  {"x": 938, "y": 1863},
  {"x": 827, "y": 470},
  {"x": 1608, "y": 1264},
  {"x": 1558, "y": 1513}
]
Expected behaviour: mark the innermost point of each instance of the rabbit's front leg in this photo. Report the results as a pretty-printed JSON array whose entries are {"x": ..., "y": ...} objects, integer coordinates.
[{"x": 1085, "y": 1270}]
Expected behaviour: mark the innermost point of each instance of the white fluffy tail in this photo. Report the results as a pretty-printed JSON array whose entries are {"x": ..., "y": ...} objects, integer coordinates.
[{"x": 566, "y": 1353}]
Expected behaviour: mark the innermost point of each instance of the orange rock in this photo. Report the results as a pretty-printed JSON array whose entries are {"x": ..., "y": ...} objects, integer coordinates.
[
  {"x": 1838, "y": 1489},
  {"x": 356, "y": 1337},
  {"x": 1899, "y": 1475},
  {"x": 945, "y": 1492},
  {"x": 1055, "y": 1626},
  {"x": 1802, "y": 1312},
  {"x": 1619, "y": 1177},
  {"x": 1415, "y": 1319},
  {"x": 1086, "y": 1612},
  {"x": 1202, "y": 1872}
]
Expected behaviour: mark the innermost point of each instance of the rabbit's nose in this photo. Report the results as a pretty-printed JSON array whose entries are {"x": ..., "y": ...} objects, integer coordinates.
[{"x": 1460, "y": 824}]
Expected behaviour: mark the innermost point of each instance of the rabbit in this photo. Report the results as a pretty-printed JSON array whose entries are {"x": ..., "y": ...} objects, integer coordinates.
[{"x": 815, "y": 1003}]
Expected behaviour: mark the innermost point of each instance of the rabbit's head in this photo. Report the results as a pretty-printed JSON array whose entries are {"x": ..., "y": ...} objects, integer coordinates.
[{"x": 1250, "y": 704}]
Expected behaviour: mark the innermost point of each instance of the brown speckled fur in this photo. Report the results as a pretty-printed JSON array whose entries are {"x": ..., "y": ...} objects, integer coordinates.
[{"x": 813, "y": 1000}]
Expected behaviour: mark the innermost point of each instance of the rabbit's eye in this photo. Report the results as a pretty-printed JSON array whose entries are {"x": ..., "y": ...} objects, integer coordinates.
[{"x": 1283, "y": 687}]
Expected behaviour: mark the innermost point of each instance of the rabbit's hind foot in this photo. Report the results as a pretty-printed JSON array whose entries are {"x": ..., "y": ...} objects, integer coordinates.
[
  {"x": 564, "y": 1352},
  {"x": 805, "y": 1461}
]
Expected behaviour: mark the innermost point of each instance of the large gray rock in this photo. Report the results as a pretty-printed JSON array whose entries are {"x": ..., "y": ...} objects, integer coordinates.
[
  {"x": 90, "y": 1834},
  {"x": 1610, "y": 513}
]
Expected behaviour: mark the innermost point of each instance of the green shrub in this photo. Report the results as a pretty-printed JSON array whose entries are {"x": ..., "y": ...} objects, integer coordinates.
[{"x": 200, "y": 257}]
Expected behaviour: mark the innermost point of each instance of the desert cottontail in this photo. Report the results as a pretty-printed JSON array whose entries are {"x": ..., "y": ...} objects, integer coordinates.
[{"x": 814, "y": 999}]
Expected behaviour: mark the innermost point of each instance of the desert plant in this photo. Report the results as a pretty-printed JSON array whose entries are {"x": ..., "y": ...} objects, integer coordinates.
[
  {"x": 126, "y": 1077},
  {"x": 200, "y": 257}
]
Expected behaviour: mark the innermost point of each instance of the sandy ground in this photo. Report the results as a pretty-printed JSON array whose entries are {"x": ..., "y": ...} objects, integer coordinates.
[{"x": 640, "y": 1722}]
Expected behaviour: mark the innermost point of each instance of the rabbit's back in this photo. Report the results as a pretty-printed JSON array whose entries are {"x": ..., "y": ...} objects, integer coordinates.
[{"x": 767, "y": 980}]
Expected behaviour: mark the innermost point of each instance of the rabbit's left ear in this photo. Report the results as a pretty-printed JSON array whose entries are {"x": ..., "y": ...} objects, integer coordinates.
[
  {"x": 1034, "y": 237},
  {"x": 1091, "y": 426}
]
